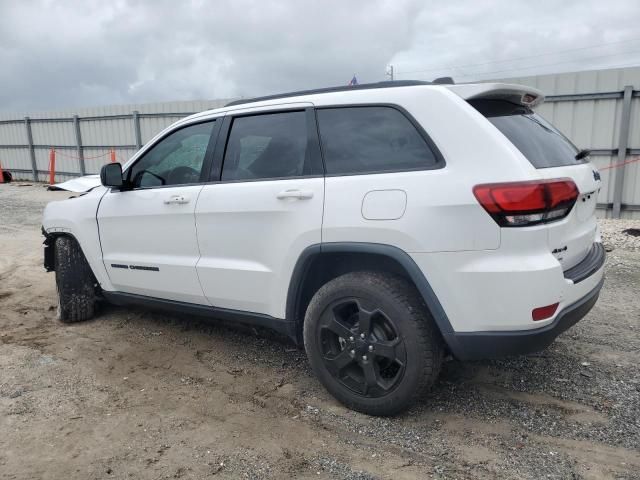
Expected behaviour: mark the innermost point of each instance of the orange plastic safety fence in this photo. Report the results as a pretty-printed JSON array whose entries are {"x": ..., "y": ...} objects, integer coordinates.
[
  {"x": 75, "y": 157},
  {"x": 621, "y": 164}
]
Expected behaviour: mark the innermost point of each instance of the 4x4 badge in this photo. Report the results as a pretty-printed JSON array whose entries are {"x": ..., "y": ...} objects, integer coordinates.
[{"x": 596, "y": 175}]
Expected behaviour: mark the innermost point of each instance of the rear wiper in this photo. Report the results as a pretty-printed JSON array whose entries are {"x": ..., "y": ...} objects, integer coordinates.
[{"x": 582, "y": 153}]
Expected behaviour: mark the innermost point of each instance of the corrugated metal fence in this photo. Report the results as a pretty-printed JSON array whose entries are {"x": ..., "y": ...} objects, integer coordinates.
[
  {"x": 83, "y": 139},
  {"x": 598, "y": 110}
]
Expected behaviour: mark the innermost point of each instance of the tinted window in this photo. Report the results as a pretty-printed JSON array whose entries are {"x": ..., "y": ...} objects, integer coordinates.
[
  {"x": 539, "y": 141},
  {"x": 371, "y": 139},
  {"x": 175, "y": 160},
  {"x": 267, "y": 146}
]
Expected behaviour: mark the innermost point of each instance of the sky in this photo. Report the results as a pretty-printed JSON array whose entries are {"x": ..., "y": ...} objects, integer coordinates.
[{"x": 71, "y": 54}]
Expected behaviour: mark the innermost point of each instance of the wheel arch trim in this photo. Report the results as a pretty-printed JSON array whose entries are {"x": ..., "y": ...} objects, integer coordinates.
[
  {"x": 394, "y": 253},
  {"x": 50, "y": 235}
]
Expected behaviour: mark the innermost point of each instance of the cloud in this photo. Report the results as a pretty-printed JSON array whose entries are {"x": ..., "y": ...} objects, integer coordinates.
[
  {"x": 72, "y": 54},
  {"x": 545, "y": 37}
]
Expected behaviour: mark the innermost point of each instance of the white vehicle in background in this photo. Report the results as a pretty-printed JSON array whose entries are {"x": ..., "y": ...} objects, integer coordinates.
[{"x": 380, "y": 226}]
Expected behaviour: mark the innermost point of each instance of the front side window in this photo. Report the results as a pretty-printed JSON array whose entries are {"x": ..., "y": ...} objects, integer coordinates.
[
  {"x": 359, "y": 140},
  {"x": 175, "y": 160},
  {"x": 267, "y": 146}
]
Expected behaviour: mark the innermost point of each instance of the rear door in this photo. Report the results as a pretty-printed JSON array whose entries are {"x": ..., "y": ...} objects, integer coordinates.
[
  {"x": 148, "y": 232},
  {"x": 553, "y": 156},
  {"x": 262, "y": 209}
]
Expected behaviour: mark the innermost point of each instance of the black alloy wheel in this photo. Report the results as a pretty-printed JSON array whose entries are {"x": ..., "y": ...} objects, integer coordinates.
[
  {"x": 371, "y": 341},
  {"x": 361, "y": 347}
]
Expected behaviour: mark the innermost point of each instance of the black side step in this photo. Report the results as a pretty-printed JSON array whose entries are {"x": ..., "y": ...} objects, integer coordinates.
[{"x": 205, "y": 311}]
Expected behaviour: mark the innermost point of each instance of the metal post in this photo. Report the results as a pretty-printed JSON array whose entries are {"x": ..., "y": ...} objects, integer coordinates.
[
  {"x": 623, "y": 141},
  {"x": 390, "y": 72},
  {"x": 136, "y": 126},
  {"x": 76, "y": 124},
  {"x": 32, "y": 152}
]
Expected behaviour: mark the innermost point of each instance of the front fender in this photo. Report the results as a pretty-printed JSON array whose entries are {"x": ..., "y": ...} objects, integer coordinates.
[{"x": 76, "y": 217}]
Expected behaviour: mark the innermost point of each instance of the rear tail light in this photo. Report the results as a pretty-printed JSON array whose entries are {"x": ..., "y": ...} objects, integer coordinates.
[{"x": 520, "y": 204}]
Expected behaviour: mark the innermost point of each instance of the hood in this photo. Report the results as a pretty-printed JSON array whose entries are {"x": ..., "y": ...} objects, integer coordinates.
[{"x": 78, "y": 185}]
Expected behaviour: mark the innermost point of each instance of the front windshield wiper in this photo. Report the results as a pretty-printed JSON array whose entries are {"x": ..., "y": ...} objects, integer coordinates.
[{"x": 582, "y": 153}]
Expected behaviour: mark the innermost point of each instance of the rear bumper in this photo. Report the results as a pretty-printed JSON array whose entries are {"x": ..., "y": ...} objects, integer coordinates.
[
  {"x": 588, "y": 266},
  {"x": 482, "y": 345}
]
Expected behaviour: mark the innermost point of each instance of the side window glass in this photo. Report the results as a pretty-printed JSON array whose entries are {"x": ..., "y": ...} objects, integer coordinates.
[
  {"x": 272, "y": 145},
  {"x": 175, "y": 160},
  {"x": 371, "y": 139}
]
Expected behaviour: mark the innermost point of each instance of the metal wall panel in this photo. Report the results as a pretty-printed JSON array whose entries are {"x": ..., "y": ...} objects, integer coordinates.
[
  {"x": 108, "y": 132},
  {"x": 53, "y": 133},
  {"x": 631, "y": 188},
  {"x": 13, "y": 158},
  {"x": 95, "y": 158},
  {"x": 634, "y": 130},
  {"x": 13, "y": 133},
  {"x": 149, "y": 127}
]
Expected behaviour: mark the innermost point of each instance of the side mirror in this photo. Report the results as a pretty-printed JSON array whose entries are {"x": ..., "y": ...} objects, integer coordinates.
[{"x": 111, "y": 175}]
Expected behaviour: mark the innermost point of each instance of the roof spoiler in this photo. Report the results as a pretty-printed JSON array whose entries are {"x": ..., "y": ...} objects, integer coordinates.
[
  {"x": 443, "y": 81},
  {"x": 519, "y": 94}
]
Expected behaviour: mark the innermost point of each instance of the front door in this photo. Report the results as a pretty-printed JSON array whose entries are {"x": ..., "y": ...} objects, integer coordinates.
[
  {"x": 262, "y": 211},
  {"x": 147, "y": 230}
]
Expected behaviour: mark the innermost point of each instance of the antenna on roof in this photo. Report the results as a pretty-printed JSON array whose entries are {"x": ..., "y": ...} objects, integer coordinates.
[{"x": 443, "y": 81}]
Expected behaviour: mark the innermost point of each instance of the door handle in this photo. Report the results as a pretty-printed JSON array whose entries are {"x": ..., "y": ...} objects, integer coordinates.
[
  {"x": 176, "y": 200},
  {"x": 295, "y": 193}
]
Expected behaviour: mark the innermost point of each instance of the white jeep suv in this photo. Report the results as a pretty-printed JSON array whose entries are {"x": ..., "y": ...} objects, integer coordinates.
[{"x": 381, "y": 226}]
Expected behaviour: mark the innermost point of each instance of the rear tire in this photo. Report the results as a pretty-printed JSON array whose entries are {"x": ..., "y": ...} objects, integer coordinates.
[
  {"x": 75, "y": 282},
  {"x": 371, "y": 342}
]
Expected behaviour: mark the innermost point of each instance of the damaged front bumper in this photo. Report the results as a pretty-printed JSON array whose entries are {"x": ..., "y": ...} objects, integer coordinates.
[{"x": 49, "y": 260}]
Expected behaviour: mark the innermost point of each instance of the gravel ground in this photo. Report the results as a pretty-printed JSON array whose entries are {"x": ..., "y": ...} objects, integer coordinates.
[
  {"x": 139, "y": 394},
  {"x": 622, "y": 234}
]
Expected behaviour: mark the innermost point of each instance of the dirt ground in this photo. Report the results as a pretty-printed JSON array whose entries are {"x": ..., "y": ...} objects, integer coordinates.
[{"x": 138, "y": 394}]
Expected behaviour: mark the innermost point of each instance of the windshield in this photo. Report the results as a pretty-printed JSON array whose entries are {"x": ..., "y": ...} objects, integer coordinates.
[{"x": 539, "y": 141}]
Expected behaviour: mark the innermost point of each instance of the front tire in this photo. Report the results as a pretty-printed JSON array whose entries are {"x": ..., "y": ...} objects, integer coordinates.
[
  {"x": 371, "y": 342},
  {"x": 75, "y": 282}
]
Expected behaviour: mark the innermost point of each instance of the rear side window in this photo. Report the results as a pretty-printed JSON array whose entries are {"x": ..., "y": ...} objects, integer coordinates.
[
  {"x": 358, "y": 140},
  {"x": 539, "y": 141},
  {"x": 267, "y": 146}
]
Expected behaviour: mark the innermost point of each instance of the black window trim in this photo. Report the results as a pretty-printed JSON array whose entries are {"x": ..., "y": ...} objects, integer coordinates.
[
  {"x": 440, "y": 161},
  {"x": 313, "y": 144},
  {"x": 206, "y": 164},
  {"x": 212, "y": 166}
]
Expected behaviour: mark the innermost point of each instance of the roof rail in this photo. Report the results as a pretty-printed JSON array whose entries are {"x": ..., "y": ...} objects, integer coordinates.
[{"x": 343, "y": 88}]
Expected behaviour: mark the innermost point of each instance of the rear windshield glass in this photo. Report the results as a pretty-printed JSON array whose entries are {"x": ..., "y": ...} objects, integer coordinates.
[{"x": 539, "y": 141}]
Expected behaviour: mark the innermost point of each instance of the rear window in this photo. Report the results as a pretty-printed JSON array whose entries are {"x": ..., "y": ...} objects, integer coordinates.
[
  {"x": 539, "y": 141},
  {"x": 360, "y": 140}
]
